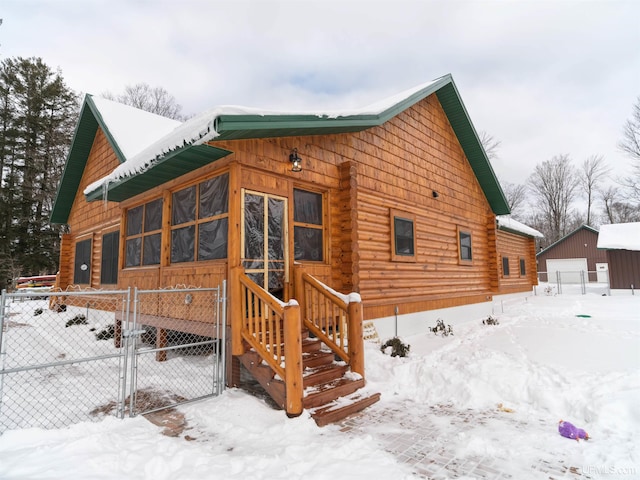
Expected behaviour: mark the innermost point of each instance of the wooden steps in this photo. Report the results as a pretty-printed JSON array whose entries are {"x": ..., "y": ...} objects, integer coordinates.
[
  {"x": 342, "y": 408},
  {"x": 331, "y": 390}
]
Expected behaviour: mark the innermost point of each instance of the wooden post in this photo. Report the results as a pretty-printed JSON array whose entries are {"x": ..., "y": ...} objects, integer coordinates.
[
  {"x": 293, "y": 360},
  {"x": 161, "y": 342},
  {"x": 298, "y": 293},
  {"x": 235, "y": 311},
  {"x": 355, "y": 337}
]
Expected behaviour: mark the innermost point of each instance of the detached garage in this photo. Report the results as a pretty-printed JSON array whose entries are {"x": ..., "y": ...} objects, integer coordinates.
[
  {"x": 574, "y": 253},
  {"x": 570, "y": 270}
]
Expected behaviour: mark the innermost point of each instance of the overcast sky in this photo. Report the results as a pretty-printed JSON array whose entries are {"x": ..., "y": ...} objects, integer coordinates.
[{"x": 543, "y": 77}]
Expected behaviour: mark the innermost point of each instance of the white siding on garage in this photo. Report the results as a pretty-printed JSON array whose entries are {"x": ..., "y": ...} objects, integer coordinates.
[{"x": 569, "y": 269}]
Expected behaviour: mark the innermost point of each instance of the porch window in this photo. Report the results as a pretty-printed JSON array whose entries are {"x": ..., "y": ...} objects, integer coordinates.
[
  {"x": 200, "y": 221},
  {"x": 403, "y": 236},
  {"x": 143, "y": 238},
  {"x": 82, "y": 263},
  {"x": 109, "y": 264},
  {"x": 308, "y": 227},
  {"x": 523, "y": 269},
  {"x": 465, "y": 252},
  {"x": 505, "y": 266}
]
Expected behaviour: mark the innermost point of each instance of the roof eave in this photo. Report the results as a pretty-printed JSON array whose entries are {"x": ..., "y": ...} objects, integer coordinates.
[
  {"x": 83, "y": 137},
  {"x": 581, "y": 227},
  {"x": 172, "y": 165},
  {"x": 462, "y": 125}
]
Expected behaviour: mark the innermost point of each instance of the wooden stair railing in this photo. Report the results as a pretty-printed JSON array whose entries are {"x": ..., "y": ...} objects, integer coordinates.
[
  {"x": 336, "y": 319},
  {"x": 273, "y": 330},
  {"x": 291, "y": 348}
]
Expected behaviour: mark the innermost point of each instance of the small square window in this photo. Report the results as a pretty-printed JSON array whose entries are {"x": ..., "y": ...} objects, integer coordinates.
[
  {"x": 523, "y": 267},
  {"x": 403, "y": 236}
]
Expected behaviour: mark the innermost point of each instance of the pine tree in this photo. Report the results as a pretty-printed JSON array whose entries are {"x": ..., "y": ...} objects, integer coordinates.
[{"x": 37, "y": 115}]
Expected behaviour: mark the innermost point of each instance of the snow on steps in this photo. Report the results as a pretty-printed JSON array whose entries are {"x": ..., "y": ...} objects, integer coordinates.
[
  {"x": 331, "y": 390},
  {"x": 342, "y": 407}
]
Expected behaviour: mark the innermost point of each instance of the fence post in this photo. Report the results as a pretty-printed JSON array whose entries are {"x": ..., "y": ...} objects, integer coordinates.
[
  {"x": 355, "y": 338},
  {"x": 3, "y": 300},
  {"x": 582, "y": 283},
  {"x": 293, "y": 360},
  {"x": 235, "y": 311},
  {"x": 559, "y": 282},
  {"x": 222, "y": 339}
]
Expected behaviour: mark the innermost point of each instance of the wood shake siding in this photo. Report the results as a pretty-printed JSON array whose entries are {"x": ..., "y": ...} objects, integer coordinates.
[
  {"x": 394, "y": 166},
  {"x": 362, "y": 177},
  {"x": 90, "y": 219}
]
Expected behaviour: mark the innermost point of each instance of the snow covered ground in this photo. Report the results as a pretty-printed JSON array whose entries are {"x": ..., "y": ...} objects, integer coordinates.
[{"x": 570, "y": 357}]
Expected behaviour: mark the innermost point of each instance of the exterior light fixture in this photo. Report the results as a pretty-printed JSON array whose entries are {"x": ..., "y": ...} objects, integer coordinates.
[{"x": 295, "y": 160}]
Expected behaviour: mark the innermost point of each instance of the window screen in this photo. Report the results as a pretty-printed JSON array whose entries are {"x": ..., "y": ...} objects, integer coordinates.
[
  {"x": 199, "y": 219},
  {"x": 109, "y": 264},
  {"x": 308, "y": 228},
  {"x": 144, "y": 237}
]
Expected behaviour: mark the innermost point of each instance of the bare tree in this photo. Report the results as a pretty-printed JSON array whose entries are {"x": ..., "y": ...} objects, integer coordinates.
[
  {"x": 553, "y": 183},
  {"x": 594, "y": 171},
  {"x": 490, "y": 145},
  {"x": 616, "y": 210},
  {"x": 151, "y": 99},
  {"x": 516, "y": 194},
  {"x": 630, "y": 144}
]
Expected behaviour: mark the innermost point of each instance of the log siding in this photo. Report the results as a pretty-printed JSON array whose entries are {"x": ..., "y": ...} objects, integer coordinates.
[{"x": 363, "y": 177}]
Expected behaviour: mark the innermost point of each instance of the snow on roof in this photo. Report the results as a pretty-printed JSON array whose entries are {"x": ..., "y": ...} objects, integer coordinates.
[
  {"x": 620, "y": 236},
  {"x": 132, "y": 129},
  {"x": 198, "y": 130},
  {"x": 509, "y": 223}
]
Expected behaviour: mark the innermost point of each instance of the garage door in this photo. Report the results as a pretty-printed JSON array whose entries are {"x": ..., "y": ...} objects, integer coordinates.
[{"x": 569, "y": 269}]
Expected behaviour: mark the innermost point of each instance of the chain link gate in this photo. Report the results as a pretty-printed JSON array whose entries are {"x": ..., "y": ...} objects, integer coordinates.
[
  {"x": 67, "y": 357},
  {"x": 176, "y": 339}
]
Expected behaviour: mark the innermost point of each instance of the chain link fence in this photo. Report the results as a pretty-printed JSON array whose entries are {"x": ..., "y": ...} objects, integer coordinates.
[
  {"x": 573, "y": 282},
  {"x": 178, "y": 339},
  {"x": 67, "y": 357}
]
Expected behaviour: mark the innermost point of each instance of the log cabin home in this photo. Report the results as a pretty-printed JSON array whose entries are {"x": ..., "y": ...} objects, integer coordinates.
[{"x": 395, "y": 205}]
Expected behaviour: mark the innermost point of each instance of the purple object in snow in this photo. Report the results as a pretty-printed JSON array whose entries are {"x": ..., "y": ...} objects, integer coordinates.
[{"x": 569, "y": 430}]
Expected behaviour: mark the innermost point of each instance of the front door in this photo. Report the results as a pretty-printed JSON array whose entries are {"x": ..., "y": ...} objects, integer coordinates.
[{"x": 265, "y": 240}]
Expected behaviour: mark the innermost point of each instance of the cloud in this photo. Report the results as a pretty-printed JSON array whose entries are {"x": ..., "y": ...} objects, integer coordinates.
[{"x": 545, "y": 78}]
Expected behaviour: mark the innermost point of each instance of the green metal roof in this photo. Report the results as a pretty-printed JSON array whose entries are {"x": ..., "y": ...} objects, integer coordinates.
[
  {"x": 232, "y": 127},
  {"x": 83, "y": 138},
  {"x": 172, "y": 165},
  {"x": 246, "y": 126}
]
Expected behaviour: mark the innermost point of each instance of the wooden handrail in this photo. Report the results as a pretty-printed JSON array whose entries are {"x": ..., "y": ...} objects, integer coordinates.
[
  {"x": 273, "y": 329},
  {"x": 336, "y": 322}
]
